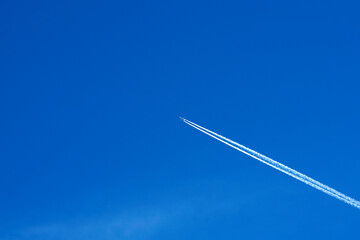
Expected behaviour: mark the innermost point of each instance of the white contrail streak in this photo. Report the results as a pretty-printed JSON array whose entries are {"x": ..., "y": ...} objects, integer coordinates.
[
  {"x": 267, "y": 159},
  {"x": 281, "y": 167}
]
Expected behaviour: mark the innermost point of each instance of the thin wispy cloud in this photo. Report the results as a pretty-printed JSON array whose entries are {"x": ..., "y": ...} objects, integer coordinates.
[
  {"x": 142, "y": 222},
  {"x": 132, "y": 225}
]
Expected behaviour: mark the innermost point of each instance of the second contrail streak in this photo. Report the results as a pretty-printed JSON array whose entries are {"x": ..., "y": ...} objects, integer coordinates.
[{"x": 281, "y": 167}]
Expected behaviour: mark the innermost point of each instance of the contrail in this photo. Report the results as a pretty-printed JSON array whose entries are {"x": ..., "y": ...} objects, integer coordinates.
[
  {"x": 271, "y": 161},
  {"x": 279, "y": 166}
]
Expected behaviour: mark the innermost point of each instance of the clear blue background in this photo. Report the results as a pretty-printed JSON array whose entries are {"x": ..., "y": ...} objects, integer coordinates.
[{"x": 92, "y": 147}]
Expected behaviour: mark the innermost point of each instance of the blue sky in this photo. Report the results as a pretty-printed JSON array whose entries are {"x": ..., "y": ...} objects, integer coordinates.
[{"x": 92, "y": 147}]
